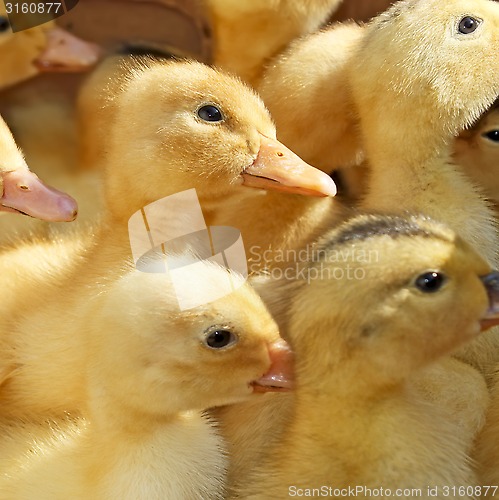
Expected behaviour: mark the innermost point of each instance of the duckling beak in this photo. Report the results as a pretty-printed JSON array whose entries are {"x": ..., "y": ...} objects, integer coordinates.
[
  {"x": 491, "y": 318},
  {"x": 277, "y": 167},
  {"x": 279, "y": 378},
  {"x": 24, "y": 192},
  {"x": 65, "y": 52}
]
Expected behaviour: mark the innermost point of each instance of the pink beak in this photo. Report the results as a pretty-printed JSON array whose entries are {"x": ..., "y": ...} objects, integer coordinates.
[
  {"x": 65, "y": 52},
  {"x": 24, "y": 192},
  {"x": 277, "y": 167},
  {"x": 280, "y": 376}
]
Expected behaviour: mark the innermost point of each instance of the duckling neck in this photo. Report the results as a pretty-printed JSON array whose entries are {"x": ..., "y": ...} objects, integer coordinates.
[
  {"x": 272, "y": 221},
  {"x": 430, "y": 184},
  {"x": 372, "y": 428}
]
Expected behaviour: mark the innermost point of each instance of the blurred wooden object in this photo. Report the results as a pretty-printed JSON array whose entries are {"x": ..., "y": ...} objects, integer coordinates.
[
  {"x": 122, "y": 25},
  {"x": 360, "y": 10}
]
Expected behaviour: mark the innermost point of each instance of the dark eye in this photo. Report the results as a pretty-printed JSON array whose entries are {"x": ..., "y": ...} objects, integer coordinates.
[
  {"x": 430, "y": 282},
  {"x": 210, "y": 113},
  {"x": 493, "y": 135},
  {"x": 4, "y": 24},
  {"x": 218, "y": 339},
  {"x": 468, "y": 25}
]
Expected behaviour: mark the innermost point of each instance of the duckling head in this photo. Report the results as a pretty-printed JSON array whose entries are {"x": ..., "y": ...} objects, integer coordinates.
[
  {"x": 426, "y": 70},
  {"x": 183, "y": 125},
  {"x": 394, "y": 294},
  {"x": 154, "y": 358},
  {"x": 477, "y": 151}
]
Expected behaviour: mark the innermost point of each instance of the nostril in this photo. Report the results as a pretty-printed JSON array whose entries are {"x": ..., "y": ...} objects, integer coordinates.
[
  {"x": 23, "y": 187},
  {"x": 279, "y": 153}
]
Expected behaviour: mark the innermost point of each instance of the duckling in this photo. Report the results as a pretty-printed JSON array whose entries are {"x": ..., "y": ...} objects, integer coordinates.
[
  {"x": 248, "y": 33},
  {"x": 149, "y": 373},
  {"x": 476, "y": 150},
  {"x": 356, "y": 420},
  {"x": 23, "y": 192},
  {"x": 406, "y": 90},
  {"x": 192, "y": 127}
]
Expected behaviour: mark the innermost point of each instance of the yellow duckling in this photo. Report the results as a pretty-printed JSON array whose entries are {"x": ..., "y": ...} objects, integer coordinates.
[
  {"x": 412, "y": 99},
  {"x": 150, "y": 369},
  {"x": 477, "y": 151},
  {"x": 178, "y": 126},
  {"x": 356, "y": 419},
  {"x": 249, "y": 33}
]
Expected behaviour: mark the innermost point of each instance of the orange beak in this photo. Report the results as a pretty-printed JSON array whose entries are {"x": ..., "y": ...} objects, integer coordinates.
[{"x": 277, "y": 167}]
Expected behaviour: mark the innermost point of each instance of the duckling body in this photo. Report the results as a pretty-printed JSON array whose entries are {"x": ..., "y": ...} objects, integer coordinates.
[
  {"x": 143, "y": 434},
  {"x": 249, "y": 33},
  {"x": 215, "y": 158},
  {"x": 356, "y": 418}
]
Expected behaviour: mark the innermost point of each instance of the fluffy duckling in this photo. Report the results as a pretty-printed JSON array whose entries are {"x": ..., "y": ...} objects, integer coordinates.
[
  {"x": 192, "y": 127},
  {"x": 476, "y": 150},
  {"x": 356, "y": 420},
  {"x": 23, "y": 192},
  {"x": 250, "y": 32},
  {"x": 43, "y": 48},
  {"x": 414, "y": 93},
  {"x": 150, "y": 370}
]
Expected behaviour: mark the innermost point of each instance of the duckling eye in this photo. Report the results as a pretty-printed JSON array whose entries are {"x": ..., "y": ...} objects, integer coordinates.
[
  {"x": 493, "y": 135},
  {"x": 430, "y": 282},
  {"x": 218, "y": 339},
  {"x": 4, "y": 24},
  {"x": 468, "y": 25},
  {"x": 210, "y": 113}
]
